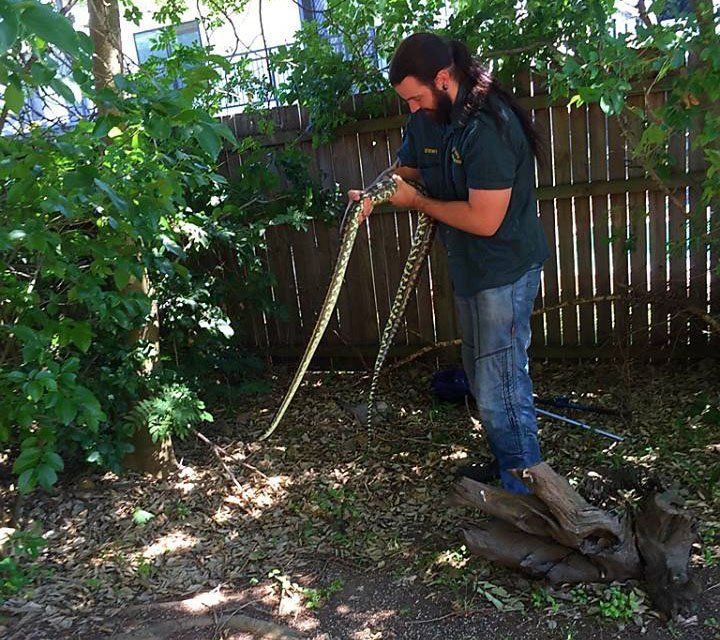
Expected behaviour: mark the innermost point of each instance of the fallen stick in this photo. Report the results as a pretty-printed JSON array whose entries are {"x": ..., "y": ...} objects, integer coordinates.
[
  {"x": 631, "y": 299},
  {"x": 170, "y": 628},
  {"x": 218, "y": 451}
]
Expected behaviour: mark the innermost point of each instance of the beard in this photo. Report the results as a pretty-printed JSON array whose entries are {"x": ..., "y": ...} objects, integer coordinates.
[{"x": 443, "y": 106}]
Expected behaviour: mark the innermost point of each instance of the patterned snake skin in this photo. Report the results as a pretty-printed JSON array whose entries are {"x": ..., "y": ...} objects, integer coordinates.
[
  {"x": 381, "y": 190},
  {"x": 422, "y": 242}
]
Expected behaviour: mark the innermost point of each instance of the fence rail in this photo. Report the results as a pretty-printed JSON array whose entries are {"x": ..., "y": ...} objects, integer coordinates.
[{"x": 608, "y": 224}]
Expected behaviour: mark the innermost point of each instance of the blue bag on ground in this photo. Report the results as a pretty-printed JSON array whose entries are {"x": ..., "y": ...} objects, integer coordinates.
[{"x": 450, "y": 385}]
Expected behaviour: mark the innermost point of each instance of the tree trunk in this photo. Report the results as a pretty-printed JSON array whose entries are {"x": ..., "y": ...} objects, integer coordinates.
[
  {"x": 555, "y": 534},
  {"x": 104, "y": 21}
]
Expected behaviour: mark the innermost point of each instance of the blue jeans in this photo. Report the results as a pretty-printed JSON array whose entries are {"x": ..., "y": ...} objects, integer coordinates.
[{"x": 495, "y": 325}]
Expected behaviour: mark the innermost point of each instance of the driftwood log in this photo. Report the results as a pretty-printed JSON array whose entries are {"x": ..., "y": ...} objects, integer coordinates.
[{"x": 555, "y": 534}]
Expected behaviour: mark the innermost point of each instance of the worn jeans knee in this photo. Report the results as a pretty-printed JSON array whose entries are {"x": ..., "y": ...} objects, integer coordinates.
[{"x": 495, "y": 325}]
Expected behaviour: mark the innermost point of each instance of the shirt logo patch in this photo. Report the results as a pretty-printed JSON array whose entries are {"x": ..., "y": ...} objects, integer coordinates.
[
  {"x": 432, "y": 150},
  {"x": 455, "y": 154}
]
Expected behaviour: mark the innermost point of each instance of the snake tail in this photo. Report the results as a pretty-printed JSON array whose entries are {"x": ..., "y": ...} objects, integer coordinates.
[{"x": 422, "y": 242}]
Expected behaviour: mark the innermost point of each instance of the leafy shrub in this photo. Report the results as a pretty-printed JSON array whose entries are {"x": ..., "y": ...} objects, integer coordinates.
[
  {"x": 18, "y": 566},
  {"x": 174, "y": 411},
  {"x": 91, "y": 210}
]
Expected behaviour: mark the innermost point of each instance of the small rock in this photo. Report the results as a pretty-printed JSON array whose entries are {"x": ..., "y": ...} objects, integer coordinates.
[
  {"x": 5, "y": 533},
  {"x": 86, "y": 483}
]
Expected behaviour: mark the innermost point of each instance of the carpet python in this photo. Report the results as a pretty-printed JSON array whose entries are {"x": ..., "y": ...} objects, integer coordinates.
[{"x": 380, "y": 191}]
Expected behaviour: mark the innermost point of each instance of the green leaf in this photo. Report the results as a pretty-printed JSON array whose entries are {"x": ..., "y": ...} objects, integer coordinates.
[
  {"x": 66, "y": 410},
  {"x": 85, "y": 42},
  {"x": 42, "y": 73},
  {"x": 142, "y": 517},
  {"x": 92, "y": 412},
  {"x": 102, "y": 127},
  {"x": 225, "y": 132},
  {"x": 27, "y": 481},
  {"x": 158, "y": 127},
  {"x": 53, "y": 460},
  {"x": 606, "y": 106},
  {"x": 121, "y": 276},
  {"x": 14, "y": 97},
  {"x": 51, "y": 27},
  {"x": 16, "y": 376},
  {"x": 71, "y": 365},
  {"x": 8, "y": 26},
  {"x": 47, "y": 378},
  {"x": 28, "y": 459},
  {"x": 34, "y": 389},
  {"x": 63, "y": 90},
  {"x": 81, "y": 335},
  {"x": 117, "y": 201},
  {"x": 46, "y": 476},
  {"x": 208, "y": 139},
  {"x": 30, "y": 441},
  {"x": 172, "y": 246},
  {"x": 654, "y": 134}
]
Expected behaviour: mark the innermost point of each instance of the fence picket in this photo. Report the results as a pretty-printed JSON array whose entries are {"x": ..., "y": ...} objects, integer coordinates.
[{"x": 601, "y": 240}]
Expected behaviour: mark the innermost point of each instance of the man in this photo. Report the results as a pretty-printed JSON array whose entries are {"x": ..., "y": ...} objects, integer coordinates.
[{"x": 473, "y": 147}]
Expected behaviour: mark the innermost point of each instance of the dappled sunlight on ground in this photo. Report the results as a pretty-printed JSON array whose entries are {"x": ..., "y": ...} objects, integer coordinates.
[
  {"x": 343, "y": 533},
  {"x": 170, "y": 543}
]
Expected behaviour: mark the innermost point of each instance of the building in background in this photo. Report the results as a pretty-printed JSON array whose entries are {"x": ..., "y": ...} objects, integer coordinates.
[{"x": 247, "y": 34}]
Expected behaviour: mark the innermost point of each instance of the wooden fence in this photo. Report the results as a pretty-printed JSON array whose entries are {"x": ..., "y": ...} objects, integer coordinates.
[{"x": 608, "y": 226}]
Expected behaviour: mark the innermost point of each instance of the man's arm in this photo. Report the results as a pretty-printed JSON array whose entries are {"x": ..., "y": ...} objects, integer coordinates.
[
  {"x": 409, "y": 173},
  {"x": 481, "y": 215}
]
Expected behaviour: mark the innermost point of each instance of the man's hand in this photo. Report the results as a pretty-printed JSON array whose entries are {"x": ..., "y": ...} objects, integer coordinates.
[
  {"x": 406, "y": 197},
  {"x": 354, "y": 195}
]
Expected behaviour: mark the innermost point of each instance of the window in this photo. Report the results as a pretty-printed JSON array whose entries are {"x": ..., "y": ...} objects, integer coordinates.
[
  {"x": 187, "y": 33},
  {"x": 312, "y": 10},
  {"x": 675, "y": 9}
]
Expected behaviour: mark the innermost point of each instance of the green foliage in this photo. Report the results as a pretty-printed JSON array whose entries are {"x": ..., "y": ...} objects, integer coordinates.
[
  {"x": 620, "y": 605},
  {"x": 141, "y": 517},
  {"x": 180, "y": 510},
  {"x": 18, "y": 562},
  {"x": 573, "y": 46},
  {"x": 543, "y": 599},
  {"x": 498, "y": 596},
  {"x": 323, "y": 80},
  {"x": 173, "y": 411},
  {"x": 90, "y": 212},
  {"x": 144, "y": 569},
  {"x": 313, "y": 598},
  {"x": 710, "y": 546},
  {"x": 37, "y": 30}
]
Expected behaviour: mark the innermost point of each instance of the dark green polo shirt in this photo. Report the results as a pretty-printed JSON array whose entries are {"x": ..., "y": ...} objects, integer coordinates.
[{"x": 477, "y": 154}]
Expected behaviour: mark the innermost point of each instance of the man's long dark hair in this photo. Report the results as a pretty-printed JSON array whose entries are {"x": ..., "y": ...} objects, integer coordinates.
[{"x": 422, "y": 55}]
